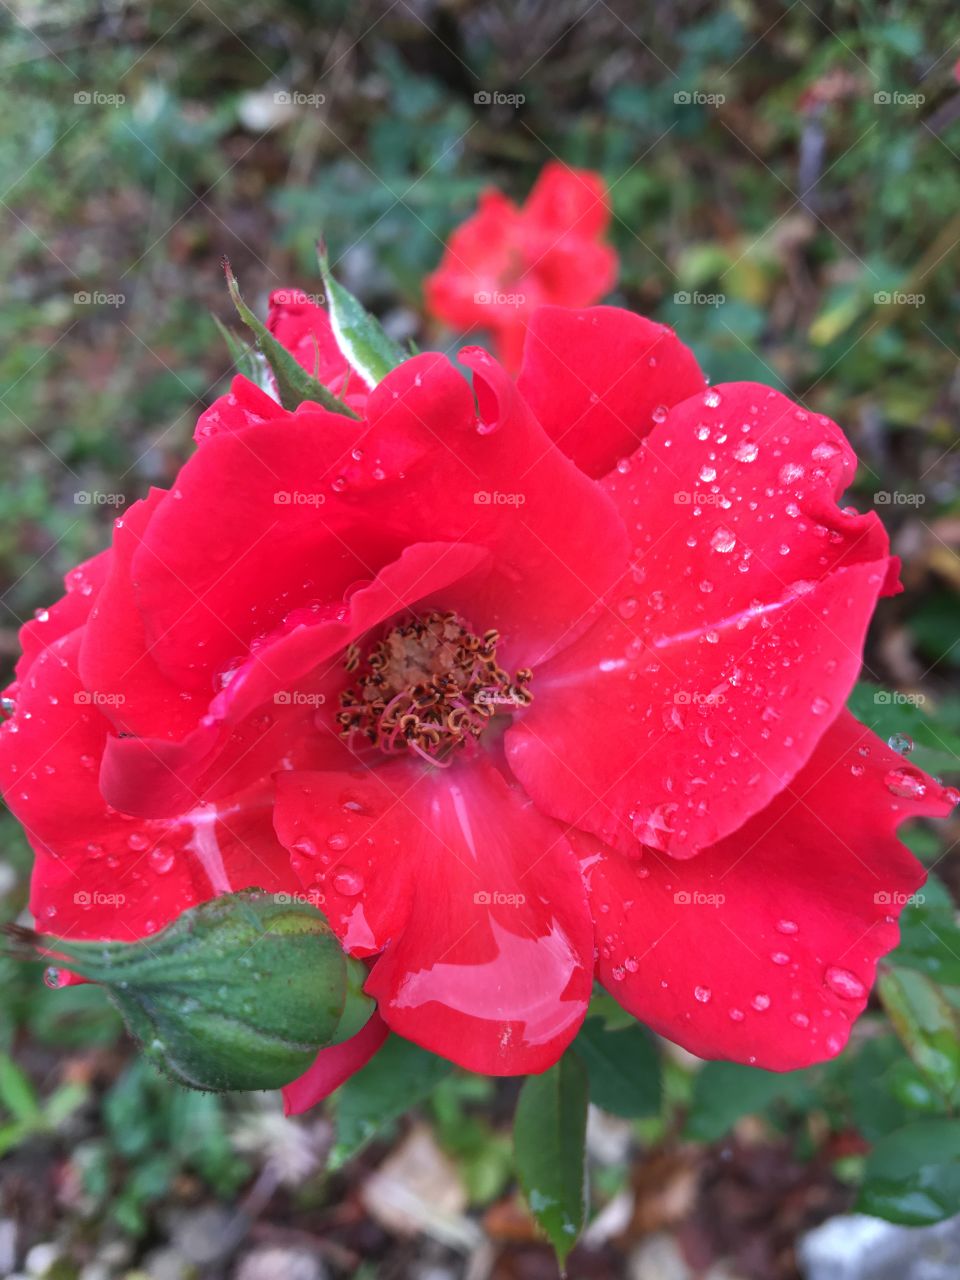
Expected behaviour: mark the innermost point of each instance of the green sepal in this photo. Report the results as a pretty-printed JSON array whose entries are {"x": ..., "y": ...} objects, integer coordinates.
[
  {"x": 294, "y": 384},
  {"x": 359, "y": 335},
  {"x": 238, "y": 993}
]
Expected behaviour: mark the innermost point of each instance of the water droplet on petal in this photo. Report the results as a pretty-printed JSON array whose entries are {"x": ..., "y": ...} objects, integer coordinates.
[
  {"x": 723, "y": 540},
  {"x": 348, "y": 882},
  {"x": 906, "y": 782},
  {"x": 703, "y": 994},
  {"x": 902, "y": 743},
  {"x": 844, "y": 983}
]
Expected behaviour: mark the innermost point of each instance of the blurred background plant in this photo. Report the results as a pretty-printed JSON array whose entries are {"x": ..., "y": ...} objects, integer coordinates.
[{"x": 785, "y": 180}]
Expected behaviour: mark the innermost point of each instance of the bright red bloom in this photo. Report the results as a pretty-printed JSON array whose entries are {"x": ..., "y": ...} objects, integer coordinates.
[
  {"x": 504, "y": 262},
  {"x": 309, "y": 667}
]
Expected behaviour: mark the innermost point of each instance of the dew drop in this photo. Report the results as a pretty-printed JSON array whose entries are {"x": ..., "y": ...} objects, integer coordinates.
[
  {"x": 723, "y": 540},
  {"x": 703, "y": 994},
  {"x": 761, "y": 1001},
  {"x": 348, "y": 882},
  {"x": 902, "y": 743},
  {"x": 844, "y": 983},
  {"x": 906, "y": 782}
]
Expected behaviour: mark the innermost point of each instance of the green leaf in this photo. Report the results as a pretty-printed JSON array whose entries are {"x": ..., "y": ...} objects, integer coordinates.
[
  {"x": 549, "y": 1134},
  {"x": 929, "y": 936},
  {"x": 888, "y": 713},
  {"x": 623, "y": 1068},
  {"x": 394, "y": 1080},
  {"x": 294, "y": 384},
  {"x": 912, "y": 1176},
  {"x": 724, "y": 1092},
  {"x": 927, "y": 1025},
  {"x": 17, "y": 1093},
  {"x": 238, "y": 993},
  {"x": 359, "y": 335}
]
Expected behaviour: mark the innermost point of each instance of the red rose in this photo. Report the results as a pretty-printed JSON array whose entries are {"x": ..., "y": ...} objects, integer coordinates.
[
  {"x": 523, "y": 689},
  {"x": 504, "y": 262}
]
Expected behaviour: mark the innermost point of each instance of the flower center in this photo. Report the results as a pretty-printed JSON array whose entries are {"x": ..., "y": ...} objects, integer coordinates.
[{"x": 430, "y": 686}]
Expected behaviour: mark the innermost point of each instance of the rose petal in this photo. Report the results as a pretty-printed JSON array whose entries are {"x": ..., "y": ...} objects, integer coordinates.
[
  {"x": 490, "y": 968},
  {"x": 764, "y": 948},
  {"x": 731, "y": 643},
  {"x": 594, "y": 379}
]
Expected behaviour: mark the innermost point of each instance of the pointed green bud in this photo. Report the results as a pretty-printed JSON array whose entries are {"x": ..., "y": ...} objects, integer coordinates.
[
  {"x": 238, "y": 993},
  {"x": 360, "y": 336},
  {"x": 294, "y": 384}
]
